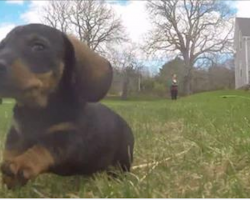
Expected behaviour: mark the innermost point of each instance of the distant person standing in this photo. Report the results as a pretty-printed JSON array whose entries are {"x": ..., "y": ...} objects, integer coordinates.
[{"x": 174, "y": 87}]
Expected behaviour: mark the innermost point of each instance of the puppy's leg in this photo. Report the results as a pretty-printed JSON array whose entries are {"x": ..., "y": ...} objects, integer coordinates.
[
  {"x": 51, "y": 150},
  {"x": 125, "y": 155},
  {"x": 18, "y": 170}
]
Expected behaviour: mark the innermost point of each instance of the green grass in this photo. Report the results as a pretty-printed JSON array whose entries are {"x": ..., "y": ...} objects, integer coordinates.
[{"x": 203, "y": 142}]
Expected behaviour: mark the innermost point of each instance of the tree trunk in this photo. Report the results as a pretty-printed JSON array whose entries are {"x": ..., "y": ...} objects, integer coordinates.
[
  {"x": 187, "y": 85},
  {"x": 139, "y": 83},
  {"x": 187, "y": 79},
  {"x": 125, "y": 85}
]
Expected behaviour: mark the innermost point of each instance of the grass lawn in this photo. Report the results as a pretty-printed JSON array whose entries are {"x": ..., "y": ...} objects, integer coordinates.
[{"x": 198, "y": 146}]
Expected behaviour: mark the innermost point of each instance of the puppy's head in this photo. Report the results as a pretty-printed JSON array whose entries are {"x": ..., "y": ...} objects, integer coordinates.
[{"x": 36, "y": 59}]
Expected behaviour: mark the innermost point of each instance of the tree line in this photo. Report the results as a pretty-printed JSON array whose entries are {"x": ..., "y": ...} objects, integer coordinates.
[
  {"x": 217, "y": 76},
  {"x": 195, "y": 31}
]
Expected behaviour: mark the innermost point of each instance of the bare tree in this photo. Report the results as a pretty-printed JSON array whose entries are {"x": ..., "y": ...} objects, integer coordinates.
[
  {"x": 55, "y": 14},
  {"x": 126, "y": 61},
  {"x": 192, "y": 28},
  {"x": 93, "y": 22}
]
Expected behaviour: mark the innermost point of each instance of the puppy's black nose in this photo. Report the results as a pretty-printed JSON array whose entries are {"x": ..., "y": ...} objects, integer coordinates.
[{"x": 3, "y": 67}]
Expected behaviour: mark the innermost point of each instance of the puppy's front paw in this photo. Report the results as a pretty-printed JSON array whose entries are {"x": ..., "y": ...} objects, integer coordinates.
[
  {"x": 18, "y": 170},
  {"x": 16, "y": 173}
]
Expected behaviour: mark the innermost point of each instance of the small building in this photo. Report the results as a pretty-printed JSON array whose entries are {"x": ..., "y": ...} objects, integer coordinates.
[{"x": 242, "y": 52}]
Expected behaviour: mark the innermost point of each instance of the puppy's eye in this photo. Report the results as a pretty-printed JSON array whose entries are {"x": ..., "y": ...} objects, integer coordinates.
[{"x": 38, "y": 47}]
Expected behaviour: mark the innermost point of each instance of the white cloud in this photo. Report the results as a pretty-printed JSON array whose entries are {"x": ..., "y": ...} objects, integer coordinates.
[
  {"x": 133, "y": 14},
  {"x": 135, "y": 19},
  {"x": 5, "y": 29},
  {"x": 242, "y": 8},
  {"x": 34, "y": 12},
  {"x": 20, "y": 2}
]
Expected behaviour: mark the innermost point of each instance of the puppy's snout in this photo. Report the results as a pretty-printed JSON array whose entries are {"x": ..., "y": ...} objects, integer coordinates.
[{"x": 3, "y": 68}]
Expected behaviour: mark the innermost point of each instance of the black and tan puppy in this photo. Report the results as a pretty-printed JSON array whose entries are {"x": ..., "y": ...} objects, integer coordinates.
[{"x": 57, "y": 126}]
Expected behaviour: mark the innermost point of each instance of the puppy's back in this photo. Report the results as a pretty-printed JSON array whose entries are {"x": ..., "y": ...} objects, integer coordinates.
[{"x": 108, "y": 138}]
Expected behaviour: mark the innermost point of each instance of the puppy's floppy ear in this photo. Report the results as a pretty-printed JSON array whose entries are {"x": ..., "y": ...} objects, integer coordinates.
[{"x": 92, "y": 73}]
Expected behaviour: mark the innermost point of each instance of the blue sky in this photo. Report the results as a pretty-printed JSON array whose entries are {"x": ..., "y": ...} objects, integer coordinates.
[
  {"x": 12, "y": 10},
  {"x": 133, "y": 14},
  {"x": 18, "y": 12},
  {"x": 15, "y": 12}
]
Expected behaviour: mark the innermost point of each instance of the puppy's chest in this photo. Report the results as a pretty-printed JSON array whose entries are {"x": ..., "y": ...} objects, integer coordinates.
[
  {"x": 26, "y": 131},
  {"x": 30, "y": 129},
  {"x": 35, "y": 125}
]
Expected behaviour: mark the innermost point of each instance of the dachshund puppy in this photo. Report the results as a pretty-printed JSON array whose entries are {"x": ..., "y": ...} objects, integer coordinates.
[{"x": 58, "y": 126}]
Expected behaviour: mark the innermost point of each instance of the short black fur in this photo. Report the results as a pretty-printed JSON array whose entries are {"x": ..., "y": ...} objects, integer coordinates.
[{"x": 80, "y": 137}]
